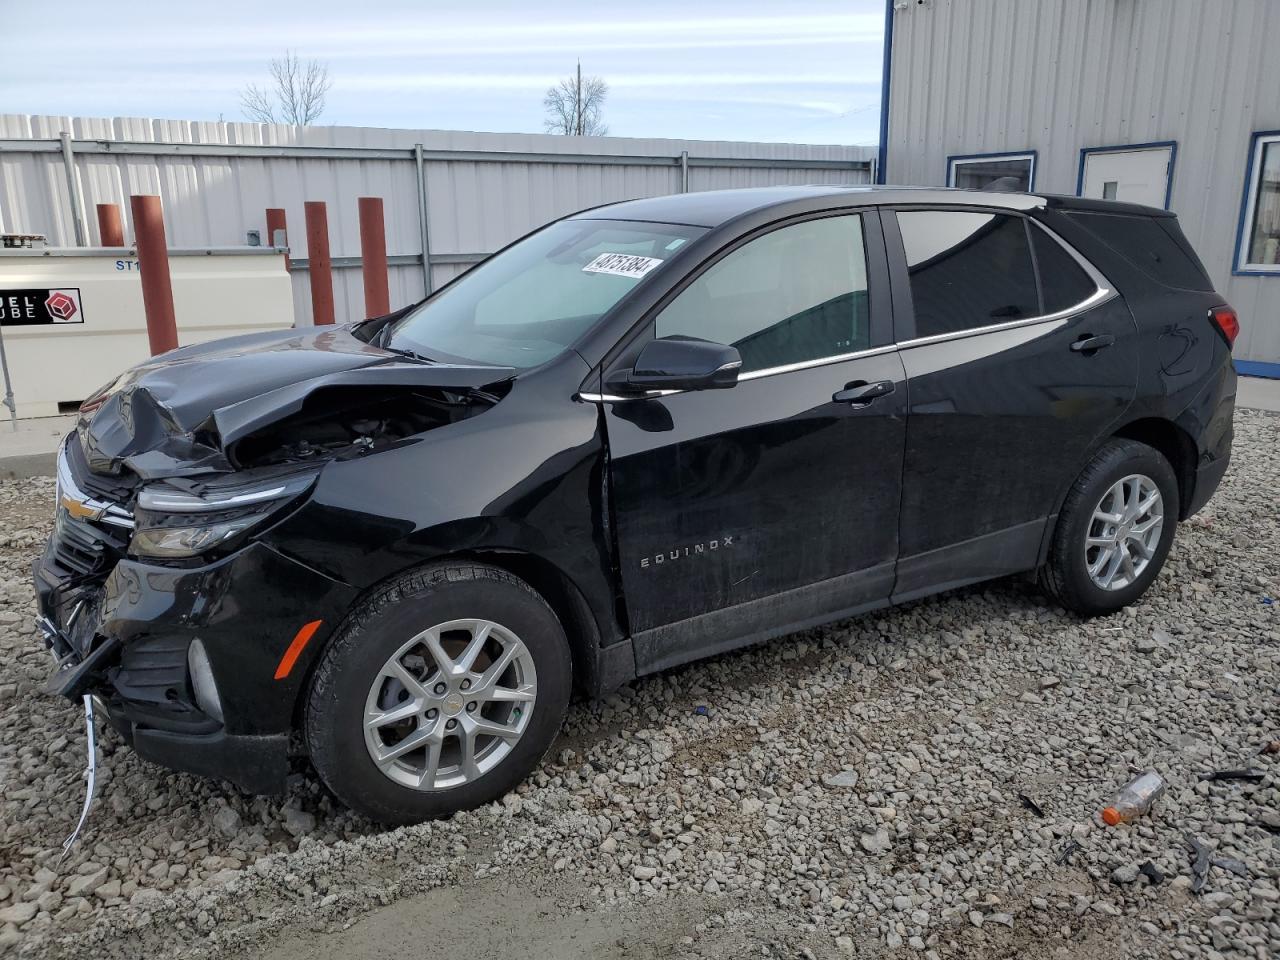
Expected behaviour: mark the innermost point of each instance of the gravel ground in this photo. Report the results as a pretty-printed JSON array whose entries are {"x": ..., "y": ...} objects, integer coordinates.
[{"x": 852, "y": 790}]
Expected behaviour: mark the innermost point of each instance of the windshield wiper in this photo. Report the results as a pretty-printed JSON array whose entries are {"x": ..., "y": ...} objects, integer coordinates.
[{"x": 414, "y": 354}]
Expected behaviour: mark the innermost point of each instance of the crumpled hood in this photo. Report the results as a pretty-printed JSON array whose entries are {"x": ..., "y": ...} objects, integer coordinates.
[{"x": 177, "y": 414}]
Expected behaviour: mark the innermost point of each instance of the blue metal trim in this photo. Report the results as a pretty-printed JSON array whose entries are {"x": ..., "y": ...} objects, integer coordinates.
[
  {"x": 1237, "y": 270},
  {"x": 1122, "y": 148},
  {"x": 882, "y": 158},
  {"x": 1258, "y": 368},
  {"x": 1010, "y": 154}
]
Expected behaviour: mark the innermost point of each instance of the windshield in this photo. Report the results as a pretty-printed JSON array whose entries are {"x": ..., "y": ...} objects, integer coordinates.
[{"x": 529, "y": 303}]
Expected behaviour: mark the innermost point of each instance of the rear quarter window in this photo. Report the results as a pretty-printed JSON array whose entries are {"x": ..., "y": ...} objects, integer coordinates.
[{"x": 1154, "y": 245}]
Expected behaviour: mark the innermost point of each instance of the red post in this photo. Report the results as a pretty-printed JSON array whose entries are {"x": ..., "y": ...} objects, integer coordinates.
[
  {"x": 276, "y": 222},
  {"x": 321, "y": 266},
  {"x": 373, "y": 258},
  {"x": 153, "y": 262},
  {"x": 110, "y": 226}
]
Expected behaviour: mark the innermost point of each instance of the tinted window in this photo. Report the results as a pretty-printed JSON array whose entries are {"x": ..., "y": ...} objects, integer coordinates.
[
  {"x": 1153, "y": 244},
  {"x": 967, "y": 270},
  {"x": 1063, "y": 283},
  {"x": 798, "y": 293}
]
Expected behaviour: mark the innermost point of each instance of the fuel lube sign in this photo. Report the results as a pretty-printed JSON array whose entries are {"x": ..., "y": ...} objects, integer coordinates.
[{"x": 35, "y": 307}]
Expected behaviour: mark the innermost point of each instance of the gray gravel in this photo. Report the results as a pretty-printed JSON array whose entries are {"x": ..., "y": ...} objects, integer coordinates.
[{"x": 852, "y": 790}]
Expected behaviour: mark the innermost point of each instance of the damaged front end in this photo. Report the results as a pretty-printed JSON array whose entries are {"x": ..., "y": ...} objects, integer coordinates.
[{"x": 158, "y": 596}]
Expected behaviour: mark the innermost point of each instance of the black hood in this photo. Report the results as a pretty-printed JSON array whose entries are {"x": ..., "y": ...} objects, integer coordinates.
[{"x": 178, "y": 413}]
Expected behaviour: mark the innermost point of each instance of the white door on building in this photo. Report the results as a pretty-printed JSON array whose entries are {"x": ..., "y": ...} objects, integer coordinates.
[{"x": 1135, "y": 176}]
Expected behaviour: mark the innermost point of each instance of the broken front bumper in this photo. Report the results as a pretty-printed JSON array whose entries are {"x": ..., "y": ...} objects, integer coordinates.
[{"x": 125, "y": 639}]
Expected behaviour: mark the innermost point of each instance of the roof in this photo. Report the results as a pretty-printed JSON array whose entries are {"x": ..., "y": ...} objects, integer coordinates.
[{"x": 711, "y": 208}]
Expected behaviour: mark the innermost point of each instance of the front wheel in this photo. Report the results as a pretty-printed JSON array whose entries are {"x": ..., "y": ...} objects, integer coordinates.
[
  {"x": 442, "y": 693},
  {"x": 1114, "y": 530}
]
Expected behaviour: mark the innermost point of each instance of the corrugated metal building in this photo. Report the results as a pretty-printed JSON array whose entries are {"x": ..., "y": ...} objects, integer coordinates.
[
  {"x": 1175, "y": 103},
  {"x": 457, "y": 195}
]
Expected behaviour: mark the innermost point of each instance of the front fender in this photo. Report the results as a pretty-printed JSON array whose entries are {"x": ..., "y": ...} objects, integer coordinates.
[{"x": 525, "y": 477}]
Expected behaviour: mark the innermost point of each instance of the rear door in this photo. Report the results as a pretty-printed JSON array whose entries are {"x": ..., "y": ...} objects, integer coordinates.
[
  {"x": 742, "y": 511},
  {"x": 1018, "y": 356}
]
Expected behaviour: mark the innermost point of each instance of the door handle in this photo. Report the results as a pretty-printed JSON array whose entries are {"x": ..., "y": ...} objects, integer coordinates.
[
  {"x": 1088, "y": 343},
  {"x": 860, "y": 393}
]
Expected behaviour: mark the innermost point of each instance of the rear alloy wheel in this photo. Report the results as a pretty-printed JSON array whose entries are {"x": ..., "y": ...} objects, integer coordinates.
[
  {"x": 1124, "y": 532},
  {"x": 1114, "y": 530},
  {"x": 441, "y": 692}
]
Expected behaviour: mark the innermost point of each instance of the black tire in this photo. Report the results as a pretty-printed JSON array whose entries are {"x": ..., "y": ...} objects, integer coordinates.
[
  {"x": 1065, "y": 576},
  {"x": 379, "y": 625}
]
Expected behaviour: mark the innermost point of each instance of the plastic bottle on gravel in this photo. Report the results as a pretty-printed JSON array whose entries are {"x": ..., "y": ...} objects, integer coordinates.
[{"x": 1134, "y": 800}]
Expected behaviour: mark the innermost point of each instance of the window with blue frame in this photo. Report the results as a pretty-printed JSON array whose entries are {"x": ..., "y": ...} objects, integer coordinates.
[
  {"x": 1259, "y": 247},
  {"x": 1008, "y": 172}
]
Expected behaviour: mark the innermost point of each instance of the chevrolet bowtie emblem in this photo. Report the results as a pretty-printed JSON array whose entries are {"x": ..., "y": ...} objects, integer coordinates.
[{"x": 79, "y": 509}]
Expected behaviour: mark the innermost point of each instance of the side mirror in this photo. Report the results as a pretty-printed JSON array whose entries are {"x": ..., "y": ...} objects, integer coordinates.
[{"x": 680, "y": 363}]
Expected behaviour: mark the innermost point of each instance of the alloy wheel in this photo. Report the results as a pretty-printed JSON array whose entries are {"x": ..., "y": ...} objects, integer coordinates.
[
  {"x": 1124, "y": 532},
  {"x": 450, "y": 704}
]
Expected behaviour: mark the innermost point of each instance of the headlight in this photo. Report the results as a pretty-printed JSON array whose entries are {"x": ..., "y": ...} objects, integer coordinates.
[{"x": 185, "y": 518}]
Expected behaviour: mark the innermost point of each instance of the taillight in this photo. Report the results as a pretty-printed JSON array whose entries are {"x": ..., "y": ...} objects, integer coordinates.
[{"x": 1228, "y": 324}]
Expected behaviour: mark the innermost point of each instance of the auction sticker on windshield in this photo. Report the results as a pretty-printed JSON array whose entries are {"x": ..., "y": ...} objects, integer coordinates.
[{"x": 622, "y": 265}]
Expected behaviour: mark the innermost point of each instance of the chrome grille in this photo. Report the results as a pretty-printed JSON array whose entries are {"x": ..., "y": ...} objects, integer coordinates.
[{"x": 89, "y": 533}]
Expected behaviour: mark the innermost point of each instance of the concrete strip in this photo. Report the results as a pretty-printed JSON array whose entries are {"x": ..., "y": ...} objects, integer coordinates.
[
  {"x": 32, "y": 449},
  {"x": 1259, "y": 393}
]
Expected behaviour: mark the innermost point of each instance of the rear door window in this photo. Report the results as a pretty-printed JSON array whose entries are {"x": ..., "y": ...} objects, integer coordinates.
[{"x": 968, "y": 269}]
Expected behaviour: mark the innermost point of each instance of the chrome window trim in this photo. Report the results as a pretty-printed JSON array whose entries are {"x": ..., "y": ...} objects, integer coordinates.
[
  {"x": 816, "y": 362},
  {"x": 1103, "y": 292},
  {"x": 1099, "y": 297},
  {"x": 751, "y": 375}
]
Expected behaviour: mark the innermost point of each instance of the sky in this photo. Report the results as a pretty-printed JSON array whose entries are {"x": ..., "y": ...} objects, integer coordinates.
[{"x": 804, "y": 71}]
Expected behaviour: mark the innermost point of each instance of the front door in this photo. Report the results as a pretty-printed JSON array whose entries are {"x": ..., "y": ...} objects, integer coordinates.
[
  {"x": 1134, "y": 176},
  {"x": 1018, "y": 357},
  {"x": 744, "y": 511}
]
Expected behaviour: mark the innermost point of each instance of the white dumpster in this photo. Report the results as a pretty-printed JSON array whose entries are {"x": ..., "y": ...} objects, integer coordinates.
[{"x": 72, "y": 317}]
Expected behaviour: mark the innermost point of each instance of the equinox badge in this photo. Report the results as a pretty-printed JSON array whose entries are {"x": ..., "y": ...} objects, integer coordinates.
[{"x": 686, "y": 551}]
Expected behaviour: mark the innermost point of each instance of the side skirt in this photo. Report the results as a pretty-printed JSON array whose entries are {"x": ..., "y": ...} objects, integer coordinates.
[
  {"x": 1012, "y": 550},
  {"x": 746, "y": 623}
]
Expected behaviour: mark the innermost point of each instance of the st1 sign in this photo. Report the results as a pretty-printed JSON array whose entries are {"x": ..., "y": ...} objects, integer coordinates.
[{"x": 20, "y": 308}]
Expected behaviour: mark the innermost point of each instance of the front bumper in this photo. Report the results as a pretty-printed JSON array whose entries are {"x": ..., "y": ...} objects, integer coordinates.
[{"x": 125, "y": 637}]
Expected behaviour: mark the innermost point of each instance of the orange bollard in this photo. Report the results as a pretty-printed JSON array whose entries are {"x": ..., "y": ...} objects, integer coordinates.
[
  {"x": 110, "y": 225},
  {"x": 153, "y": 262},
  {"x": 276, "y": 222},
  {"x": 373, "y": 258},
  {"x": 321, "y": 268}
]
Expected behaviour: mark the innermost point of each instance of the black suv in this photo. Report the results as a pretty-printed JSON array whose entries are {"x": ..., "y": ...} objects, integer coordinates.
[{"x": 643, "y": 434}]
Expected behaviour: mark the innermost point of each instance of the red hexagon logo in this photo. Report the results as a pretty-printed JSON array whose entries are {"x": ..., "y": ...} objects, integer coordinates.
[{"x": 60, "y": 305}]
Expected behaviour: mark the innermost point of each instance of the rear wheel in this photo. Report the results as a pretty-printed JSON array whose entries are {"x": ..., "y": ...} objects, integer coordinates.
[
  {"x": 442, "y": 693},
  {"x": 1114, "y": 530}
]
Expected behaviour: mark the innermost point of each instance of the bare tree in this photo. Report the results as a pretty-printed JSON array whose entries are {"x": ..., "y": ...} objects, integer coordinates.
[
  {"x": 575, "y": 106},
  {"x": 295, "y": 95}
]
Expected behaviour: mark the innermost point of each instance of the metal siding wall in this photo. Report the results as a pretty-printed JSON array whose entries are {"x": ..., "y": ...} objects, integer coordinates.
[
  {"x": 1055, "y": 76},
  {"x": 474, "y": 207}
]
